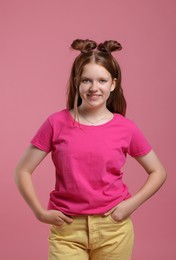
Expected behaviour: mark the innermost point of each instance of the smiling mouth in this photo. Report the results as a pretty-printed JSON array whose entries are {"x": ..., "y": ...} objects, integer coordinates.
[{"x": 93, "y": 95}]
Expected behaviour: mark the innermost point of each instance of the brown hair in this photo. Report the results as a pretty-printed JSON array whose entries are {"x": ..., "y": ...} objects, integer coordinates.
[{"x": 116, "y": 102}]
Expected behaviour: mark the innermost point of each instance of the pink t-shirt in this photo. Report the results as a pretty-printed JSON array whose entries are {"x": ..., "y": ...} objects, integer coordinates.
[{"x": 88, "y": 161}]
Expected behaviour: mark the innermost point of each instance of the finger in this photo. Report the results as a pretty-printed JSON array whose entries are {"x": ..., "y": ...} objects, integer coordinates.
[
  {"x": 110, "y": 211},
  {"x": 60, "y": 221},
  {"x": 65, "y": 218}
]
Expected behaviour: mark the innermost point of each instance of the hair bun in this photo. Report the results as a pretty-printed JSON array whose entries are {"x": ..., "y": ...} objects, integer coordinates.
[
  {"x": 109, "y": 46},
  {"x": 83, "y": 46}
]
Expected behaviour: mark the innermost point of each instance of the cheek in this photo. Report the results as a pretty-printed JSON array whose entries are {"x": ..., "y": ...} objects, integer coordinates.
[
  {"x": 108, "y": 89},
  {"x": 82, "y": 89},
  {"x": 81, "y": 93}
]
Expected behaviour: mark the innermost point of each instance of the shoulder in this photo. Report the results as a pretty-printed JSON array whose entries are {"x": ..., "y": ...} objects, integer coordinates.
[
  {"x": 124, "y": 121},
  {"x": 59, "y": 116},
  {"x": 127, "y": 126},
  {"x": 138, "y": 143}
]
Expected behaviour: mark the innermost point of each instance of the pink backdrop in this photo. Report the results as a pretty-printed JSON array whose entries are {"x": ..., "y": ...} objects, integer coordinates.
[{"x": 35, "y": 63}]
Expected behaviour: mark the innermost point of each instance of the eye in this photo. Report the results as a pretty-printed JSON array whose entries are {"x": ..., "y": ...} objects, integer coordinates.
[
  {"x": 102, "y": 81},
  {"x": 85, "y": 81}
]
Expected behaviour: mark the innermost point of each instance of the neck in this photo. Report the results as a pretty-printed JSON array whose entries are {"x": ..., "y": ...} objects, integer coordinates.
[
  {"x": 93, "y": 112},
  {"x": 93, "y": 116}
]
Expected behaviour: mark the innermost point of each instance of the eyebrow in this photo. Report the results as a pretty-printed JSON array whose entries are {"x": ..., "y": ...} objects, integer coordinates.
[{"x": 101, "y": 77}]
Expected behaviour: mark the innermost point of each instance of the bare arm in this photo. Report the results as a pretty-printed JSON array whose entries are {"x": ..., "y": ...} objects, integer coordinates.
[
  {"x": 156, "y": 178},
  {"x": 23, "y": 178}
]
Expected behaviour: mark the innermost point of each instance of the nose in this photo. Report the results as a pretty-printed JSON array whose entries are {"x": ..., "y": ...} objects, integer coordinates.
[{"x": 93, "y": 87}]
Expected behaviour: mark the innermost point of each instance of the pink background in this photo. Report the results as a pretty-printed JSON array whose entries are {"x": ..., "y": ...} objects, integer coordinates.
[{"x": 35, "y": 63}]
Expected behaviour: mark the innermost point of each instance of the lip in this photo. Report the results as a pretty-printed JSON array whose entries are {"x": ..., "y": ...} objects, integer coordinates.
[{"x": 93, "y": 96}]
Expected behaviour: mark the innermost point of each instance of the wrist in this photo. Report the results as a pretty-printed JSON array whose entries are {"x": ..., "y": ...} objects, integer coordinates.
[
  {"x": 40, "y": 214},
  {"x": 135, "y": 201}
]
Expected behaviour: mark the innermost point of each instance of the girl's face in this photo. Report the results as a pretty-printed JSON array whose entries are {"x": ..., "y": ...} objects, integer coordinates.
[{"x": 95, "y": 86}]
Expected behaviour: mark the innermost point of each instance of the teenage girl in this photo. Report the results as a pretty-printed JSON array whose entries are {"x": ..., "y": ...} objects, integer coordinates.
[{"x": 89, "y": 209}]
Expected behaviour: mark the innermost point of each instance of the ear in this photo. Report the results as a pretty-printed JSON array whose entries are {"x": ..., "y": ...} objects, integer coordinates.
[{"x": 113, "y": 84}]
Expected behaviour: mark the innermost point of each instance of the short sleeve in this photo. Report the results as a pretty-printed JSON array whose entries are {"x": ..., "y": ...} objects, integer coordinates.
[
  {"x": 43, "y": 138},
  {"x": 139, "y": 145}
]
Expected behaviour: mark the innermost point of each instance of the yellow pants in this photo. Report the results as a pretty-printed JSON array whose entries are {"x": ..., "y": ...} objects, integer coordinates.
[{"x": 92, "y": 237}]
